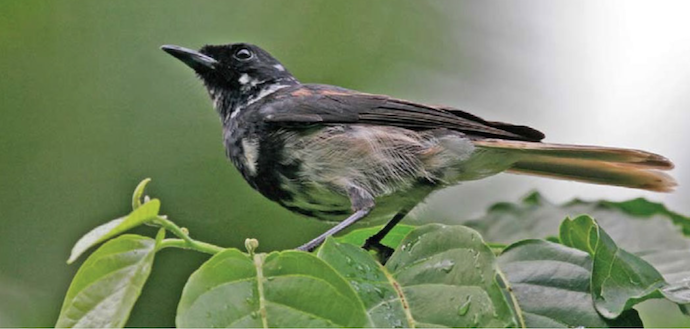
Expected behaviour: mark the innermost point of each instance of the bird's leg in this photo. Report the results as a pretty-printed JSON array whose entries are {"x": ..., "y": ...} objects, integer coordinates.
[
  {"x": 374, "y": 242},
  {"x": 362, "y": 204}
]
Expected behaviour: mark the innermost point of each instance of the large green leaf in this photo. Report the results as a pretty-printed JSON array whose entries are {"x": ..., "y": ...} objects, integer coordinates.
[
  {"x": 619, "y": 279},
  {"x": 383, "y": 300},
  {"x": 551, "y": 283},
  {"x": 625, "y": 222},
  {"x": 674, "y": 265},
  {"x": 447, "y": 276},
  {"x": 281, "y": 289},
  {"x": 639, "y": 226},
  {"x": 108, "y": 284},
  {"x": 143, "y": 214},
  {"x": 439, "y": 276}
]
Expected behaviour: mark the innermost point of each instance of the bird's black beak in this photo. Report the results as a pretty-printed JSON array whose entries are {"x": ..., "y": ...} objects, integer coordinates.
[{"x": 193, "y": 59}]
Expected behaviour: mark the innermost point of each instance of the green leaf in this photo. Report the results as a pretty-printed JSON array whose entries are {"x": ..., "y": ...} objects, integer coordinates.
[
  {"x": 373, "y": 284},
  {"x": 108, "y": 284},
  {"x": 281, "y": 289},
  {"x": 674, "y": 265},
  {"x": 619, "y": 278},
  {"x": 392, "y": 239},
  {"x": 639, "y": 226},
  {"x": 625, "y": 222},
  {"x": 551, "y": 284},
  {"x": 642, "y": 208},
  {"x": 138, "y": 192},
  {"x": 447, "y": 276},
  {"x": 439, "y": 276},
  {"x": 143, "y": 214}
]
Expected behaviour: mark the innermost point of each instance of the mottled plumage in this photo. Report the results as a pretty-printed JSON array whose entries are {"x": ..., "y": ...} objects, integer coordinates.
[{"x": 344, "y": 156}]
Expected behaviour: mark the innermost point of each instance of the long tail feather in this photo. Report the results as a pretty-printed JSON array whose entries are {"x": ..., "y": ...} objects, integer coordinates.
[{"x": 591, "y": 164}]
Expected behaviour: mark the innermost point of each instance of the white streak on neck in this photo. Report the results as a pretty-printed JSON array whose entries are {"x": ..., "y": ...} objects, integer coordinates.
[
  {"x": 263, "y": 93},
  {"x": 236, "y": 111}
]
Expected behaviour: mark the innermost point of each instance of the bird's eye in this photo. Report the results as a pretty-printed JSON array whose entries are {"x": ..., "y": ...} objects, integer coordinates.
[{"x": 243, "y": 54}]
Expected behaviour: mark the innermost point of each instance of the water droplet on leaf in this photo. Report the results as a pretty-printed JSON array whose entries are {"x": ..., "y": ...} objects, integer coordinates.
[
  {"x": 465, "y": 307},
  {"x": 380, "y": 292}
]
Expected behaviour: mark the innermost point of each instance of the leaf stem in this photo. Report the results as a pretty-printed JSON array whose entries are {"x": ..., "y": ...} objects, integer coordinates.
[
  {"x": 505, "y": 285},
  {"x": 185, "y": 241},
  {"x": 194, "y": 245}
]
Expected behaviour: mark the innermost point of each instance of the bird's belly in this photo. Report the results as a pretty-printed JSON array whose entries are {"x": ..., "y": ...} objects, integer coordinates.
[
  {"x": 323, "y": 203},
  {"x": 316, "y": 200}
]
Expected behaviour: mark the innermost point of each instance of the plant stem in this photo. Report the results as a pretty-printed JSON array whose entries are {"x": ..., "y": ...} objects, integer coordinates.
[
  {"x": 186, "y": 242},
  {"x": 195, "y": 245}
]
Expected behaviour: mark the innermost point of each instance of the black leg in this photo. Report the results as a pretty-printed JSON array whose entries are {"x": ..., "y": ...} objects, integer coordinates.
[
  {"x": 374, "y": 242},
  {"x": 362, "y": 203}
]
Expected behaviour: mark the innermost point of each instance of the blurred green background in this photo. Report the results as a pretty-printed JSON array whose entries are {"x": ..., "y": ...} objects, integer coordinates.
[{"x": 90, "y": 106}]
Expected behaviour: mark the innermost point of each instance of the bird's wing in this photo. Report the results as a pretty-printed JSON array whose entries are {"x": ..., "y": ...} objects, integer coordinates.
[{"x": 319, "y": 104}]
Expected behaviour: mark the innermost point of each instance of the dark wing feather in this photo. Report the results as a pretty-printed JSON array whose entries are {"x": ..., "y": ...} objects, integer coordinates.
[
  {"x": 529, "y": 133},
  {"x": 320, "y": 104}
]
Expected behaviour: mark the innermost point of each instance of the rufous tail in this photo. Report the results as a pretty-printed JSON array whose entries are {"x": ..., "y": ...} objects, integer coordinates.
[{"x": 590, "y": 164}]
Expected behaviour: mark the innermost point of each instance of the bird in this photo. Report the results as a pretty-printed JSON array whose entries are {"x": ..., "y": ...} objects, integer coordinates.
[{"x": 345, "y": 157}]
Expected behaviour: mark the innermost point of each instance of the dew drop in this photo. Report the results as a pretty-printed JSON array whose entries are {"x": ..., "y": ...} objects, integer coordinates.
[
  {"x": 355, "y": 285},
  {"x": 380, "y": 292},
  {"x": 475, "y": 320},
  {"x": 447, "y": 265},
  {"x": 254, "y": 315},
  {"x": 465, "y": 307}
]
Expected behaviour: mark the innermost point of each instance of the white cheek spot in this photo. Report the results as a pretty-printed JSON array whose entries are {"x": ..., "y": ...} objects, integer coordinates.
[
  {"x": 250, "y": 148},
  {"x": 279, "y": 67},
  {"x": 244, "y": 79}
]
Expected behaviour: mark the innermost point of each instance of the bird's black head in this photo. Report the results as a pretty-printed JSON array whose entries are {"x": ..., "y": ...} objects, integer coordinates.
[{"x": 233, "y": 73}]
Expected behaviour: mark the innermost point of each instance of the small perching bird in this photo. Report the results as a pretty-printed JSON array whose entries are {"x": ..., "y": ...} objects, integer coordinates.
[{"x": 344, "y": 156}]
